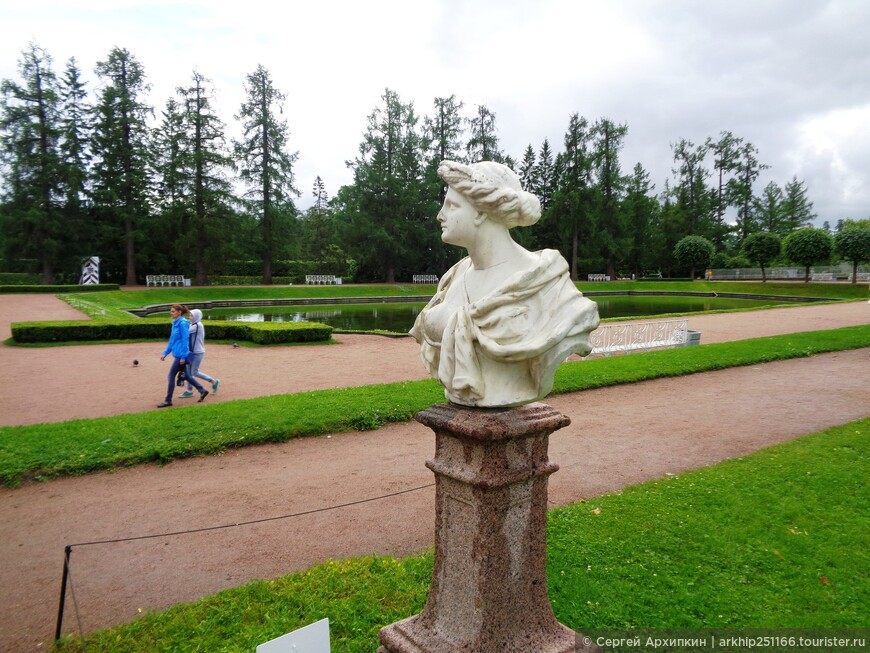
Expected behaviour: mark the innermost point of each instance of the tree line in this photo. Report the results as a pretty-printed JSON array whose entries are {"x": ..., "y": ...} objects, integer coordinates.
[{"x": 102, "y": 173}]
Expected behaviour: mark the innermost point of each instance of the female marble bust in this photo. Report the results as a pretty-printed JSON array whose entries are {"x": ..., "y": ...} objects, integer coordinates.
[{"x": 503, "y": 318}]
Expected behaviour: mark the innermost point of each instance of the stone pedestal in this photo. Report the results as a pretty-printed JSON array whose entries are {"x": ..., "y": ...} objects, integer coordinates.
[{"x": 489, "y": 585}]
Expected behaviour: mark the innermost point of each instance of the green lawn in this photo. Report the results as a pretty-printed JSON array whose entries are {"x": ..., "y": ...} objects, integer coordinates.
[
  {"x": 111, "y": 304},
  {"x": 776, "y": 539},
  {"x": 42, "y": 451}
]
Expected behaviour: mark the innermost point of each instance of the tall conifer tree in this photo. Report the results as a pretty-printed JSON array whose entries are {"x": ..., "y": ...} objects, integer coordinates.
[
  {"x": 30, "y": 131},
  {"x": 121, "y": 172},
  {"x": 266, "y": 166}
]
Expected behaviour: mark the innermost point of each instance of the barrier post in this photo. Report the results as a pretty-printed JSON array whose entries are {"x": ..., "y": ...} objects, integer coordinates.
[{"x": 66, "y": 553}]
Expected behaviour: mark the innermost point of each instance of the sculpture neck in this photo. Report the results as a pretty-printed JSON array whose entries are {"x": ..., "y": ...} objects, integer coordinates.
[{"x": 493, "y": 246}]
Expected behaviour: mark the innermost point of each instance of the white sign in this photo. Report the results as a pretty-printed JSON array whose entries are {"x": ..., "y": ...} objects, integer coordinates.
[
  {"x": 313, "y": 638},
  {"x": 90, "y": 271}
]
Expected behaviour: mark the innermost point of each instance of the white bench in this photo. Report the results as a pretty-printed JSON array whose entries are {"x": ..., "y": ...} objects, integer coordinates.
[
  {"x": 610, "y": 339},
  {"x": 598, "y": 277},
  {"x": 322, "y": 279},
  {"x": 862, "y": 276},
  {"x": 823, "y": 276},
  {"x": 425, "y": 278},
  {"x": 166, "y": 280}
]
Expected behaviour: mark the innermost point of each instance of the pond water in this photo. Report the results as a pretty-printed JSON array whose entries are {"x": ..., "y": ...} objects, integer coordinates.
[{"x": 399, "y": 317}]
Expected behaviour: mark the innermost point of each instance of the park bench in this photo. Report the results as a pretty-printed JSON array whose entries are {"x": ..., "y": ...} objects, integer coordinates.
[
  {"x": 166, "y": 280},
  {"x": 322, "y": 279},
  {"x": 823, "y": 276},
  {"x": 862, "y": 276},
  {"x": 425, "y": 278},
  {"x": 598, "y": 277},
  {"x": 610, "y": 339}
]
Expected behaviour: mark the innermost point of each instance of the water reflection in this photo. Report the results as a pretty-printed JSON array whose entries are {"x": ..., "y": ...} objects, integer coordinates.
[{"x": 399, "y": 317}]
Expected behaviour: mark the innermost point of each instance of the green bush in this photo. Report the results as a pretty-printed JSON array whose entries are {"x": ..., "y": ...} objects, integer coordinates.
[
  {"x": 58, "y": 288},
  {"x": 18, "y": 279},
  {"x": 261, "y": 333},
  {"x": 232, "y": 280}
]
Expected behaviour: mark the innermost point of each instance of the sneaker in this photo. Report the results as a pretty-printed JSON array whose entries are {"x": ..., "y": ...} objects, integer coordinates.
[
  {"x": 202, "y": 395},
  {"x": 214, "y": 386},
  {"x": 164, "y": 404},
  {"x": 185, "y": 394}
]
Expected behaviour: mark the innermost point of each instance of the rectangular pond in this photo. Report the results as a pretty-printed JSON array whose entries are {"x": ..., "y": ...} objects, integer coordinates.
[{"x": 399, "y": 316}]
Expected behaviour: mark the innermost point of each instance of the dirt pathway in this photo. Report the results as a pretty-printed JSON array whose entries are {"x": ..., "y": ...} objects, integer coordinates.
[{"x": 618, "y": 436}]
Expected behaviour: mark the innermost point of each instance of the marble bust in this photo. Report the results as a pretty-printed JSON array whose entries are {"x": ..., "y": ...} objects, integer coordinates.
[{"x": 503, "y": 318}]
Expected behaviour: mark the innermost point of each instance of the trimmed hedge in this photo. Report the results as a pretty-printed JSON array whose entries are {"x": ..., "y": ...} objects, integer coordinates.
[
  {"x": 56, "y": 288},
  {"x": 261, "y": 333},
  {"x": 18, "y": 278},
  {"x": 227, "y": 280}
]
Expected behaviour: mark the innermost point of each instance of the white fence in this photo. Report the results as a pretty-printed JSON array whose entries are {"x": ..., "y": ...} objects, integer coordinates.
[
  {"x": 610, "y": 339},
  {"x": 817, "y": 273}
]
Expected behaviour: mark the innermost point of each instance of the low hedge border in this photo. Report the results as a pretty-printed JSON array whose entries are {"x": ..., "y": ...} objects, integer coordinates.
[
  {"x": 261, "y": 333},
  {"x": 56, "y": 288}
]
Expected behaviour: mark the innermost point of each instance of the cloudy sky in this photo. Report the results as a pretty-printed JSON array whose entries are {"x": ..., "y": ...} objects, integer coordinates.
[{"x": 790, "y": 76}]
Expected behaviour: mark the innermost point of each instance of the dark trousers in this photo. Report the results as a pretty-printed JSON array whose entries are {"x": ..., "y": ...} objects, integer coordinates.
[{"x": 173, "y": 371}]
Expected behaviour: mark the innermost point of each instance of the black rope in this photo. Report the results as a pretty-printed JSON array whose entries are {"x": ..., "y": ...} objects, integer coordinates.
[
  {"x": 68, "y": 550},
  {"x": 254, "y": 521}
]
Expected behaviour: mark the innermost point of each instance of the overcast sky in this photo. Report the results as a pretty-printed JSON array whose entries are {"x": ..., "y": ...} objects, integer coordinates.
[{"x": 790, "y": 76}]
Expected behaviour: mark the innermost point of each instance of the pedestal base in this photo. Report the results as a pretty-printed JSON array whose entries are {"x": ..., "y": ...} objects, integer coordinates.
[{"x": 489, "y": 585}]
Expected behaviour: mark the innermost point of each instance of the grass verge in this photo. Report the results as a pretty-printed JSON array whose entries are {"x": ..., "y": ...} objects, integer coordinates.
[
  {"x": 776, "y": 539},
  {"x": 112, "y": 304},
  {"x": 42, "y": 451}
]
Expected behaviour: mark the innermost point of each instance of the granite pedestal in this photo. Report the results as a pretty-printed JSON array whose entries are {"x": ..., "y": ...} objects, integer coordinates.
[{"x": 489, "y": 585}]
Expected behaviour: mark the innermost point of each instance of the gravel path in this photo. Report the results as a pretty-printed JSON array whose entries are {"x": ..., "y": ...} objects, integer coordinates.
[{"x": 618, "y": 436}]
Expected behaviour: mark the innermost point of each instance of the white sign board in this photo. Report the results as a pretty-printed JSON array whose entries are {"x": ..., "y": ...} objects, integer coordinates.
[{"x": 313, "y": 638}]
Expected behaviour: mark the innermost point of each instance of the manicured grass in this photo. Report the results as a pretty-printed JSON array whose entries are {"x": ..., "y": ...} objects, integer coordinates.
[
  {"x": 112, "y": 304},
  {"x": 43, "y": 451},
  {"x": 777, "y": 539}
]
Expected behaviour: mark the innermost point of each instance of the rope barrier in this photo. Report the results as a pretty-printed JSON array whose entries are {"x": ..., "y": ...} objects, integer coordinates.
[{"x": 67, "y": 576}]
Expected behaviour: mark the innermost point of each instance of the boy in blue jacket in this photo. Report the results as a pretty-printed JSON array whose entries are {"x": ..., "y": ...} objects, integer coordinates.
[{"x": 179, "y": 346}]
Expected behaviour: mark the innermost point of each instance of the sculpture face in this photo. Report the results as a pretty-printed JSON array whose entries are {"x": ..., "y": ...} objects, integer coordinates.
[{"x": 457, "y": 218}]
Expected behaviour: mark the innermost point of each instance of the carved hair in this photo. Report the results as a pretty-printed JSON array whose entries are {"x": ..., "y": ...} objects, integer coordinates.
[{"x": 494, "y": 189}]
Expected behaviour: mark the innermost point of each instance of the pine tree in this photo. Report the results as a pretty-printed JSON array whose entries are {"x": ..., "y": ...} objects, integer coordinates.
[
  {"x": 527, "y": 170},
  {"x": 266, "y": 165},
  {"x": 208, "y": 164},
  {"x": 443, "y": 140},
  {"x": 33, "y": 223},
  {"x": 613, "y": 239},
  {"x": 573, "y": 199},
  {"x": 739, "y": 189},
  {"x": 726, "y": 156},
  {"x": 692, "y": 197},
  {"x": 76, "y": 128},
  {"x": 640, "y": 210},
  {"x": 386, "y": 212},
  {"x": 797, "y": 210},
  {"x": 483, "y": 142},
  {"x": 768, "y": 210},
  {"x": 544, "y": 176},
  {"x": 121, "y": 172}
]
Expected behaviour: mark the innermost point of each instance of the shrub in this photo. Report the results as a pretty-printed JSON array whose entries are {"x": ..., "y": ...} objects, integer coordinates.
[
  {"x": 18, "y": 279},
  {"x": 808, "y": 246},
  {"x": 262, "y": 333},
  {"x": 694, "y": 252},
  {"x": 58, "y": 288},
  {"x": 853, "y": 244},
  {"x": 762, "y": 247}
]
